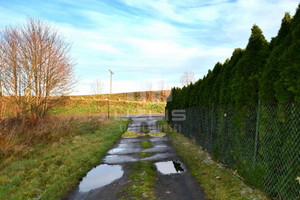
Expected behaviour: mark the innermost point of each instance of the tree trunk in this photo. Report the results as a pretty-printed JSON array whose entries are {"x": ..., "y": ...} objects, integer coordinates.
[{"x": 1, "y": 98}]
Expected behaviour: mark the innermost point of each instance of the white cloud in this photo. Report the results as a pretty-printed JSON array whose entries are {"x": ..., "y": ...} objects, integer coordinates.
[
  {"x": 162, "y": 49},
  {"x": 159, "y": 40}
]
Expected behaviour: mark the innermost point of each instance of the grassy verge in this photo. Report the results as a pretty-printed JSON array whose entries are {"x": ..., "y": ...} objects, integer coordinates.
[
  {"x": 18, "y": 139},
  {"x": 218, "y": 181},
  {"x": 142, "y": 177},
  {"x": 48, "y": 171}
]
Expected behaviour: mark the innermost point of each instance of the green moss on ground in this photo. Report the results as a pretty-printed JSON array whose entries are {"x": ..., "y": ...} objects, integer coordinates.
[
  {"x": 143, "y": 176},
  {"x": 146, "y": 144},
  {"x": 145, "y": 154}
]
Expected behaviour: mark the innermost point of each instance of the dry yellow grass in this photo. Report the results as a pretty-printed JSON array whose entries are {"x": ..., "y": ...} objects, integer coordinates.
[{"x": 18, "y": 138}]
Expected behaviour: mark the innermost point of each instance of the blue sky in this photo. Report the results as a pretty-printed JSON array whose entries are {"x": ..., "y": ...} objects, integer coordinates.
[{"x": 145, "y": 42}]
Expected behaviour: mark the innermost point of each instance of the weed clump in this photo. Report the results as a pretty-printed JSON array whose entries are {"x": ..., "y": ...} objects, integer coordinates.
[
  {"x": 142, "y": 176},
  {"x": 146, "y": 144},
  {"x": 145, "y": 154}
]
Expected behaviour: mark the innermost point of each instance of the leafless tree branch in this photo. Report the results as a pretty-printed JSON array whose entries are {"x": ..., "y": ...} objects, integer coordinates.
[{"x": 35, "y": 64}]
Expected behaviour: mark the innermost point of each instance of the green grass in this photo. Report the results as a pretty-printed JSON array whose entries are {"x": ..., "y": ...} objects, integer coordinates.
[
  {"x": 145, "y": 154},
  {"x": 49, "y": 171},
  {"x": 144, "y": 128},
  {"x": 219, "y": 182},
  {"x": 90, "y": 106},
  {"x": 142, "y": 176},
  {"x": 146, "y": 144}
]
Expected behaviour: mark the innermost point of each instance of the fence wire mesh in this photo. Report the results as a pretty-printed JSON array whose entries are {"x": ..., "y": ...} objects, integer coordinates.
[{"x": 262, "y": 142}]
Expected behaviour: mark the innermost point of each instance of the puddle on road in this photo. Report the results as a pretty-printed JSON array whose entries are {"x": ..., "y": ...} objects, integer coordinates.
[
  {"x": 124, "y": 150},
  {"x": 100, "y": 176},
  {"x": 116, "y": 150},
  {"x": 169, "y": 167},
  {"x": 159, "y": 156},
  {"x": 130, "y": 140},
  {"x": 158, "y": 139},
  {"x": 157, "y": 149},
  {"x": 118, "y": 159}
]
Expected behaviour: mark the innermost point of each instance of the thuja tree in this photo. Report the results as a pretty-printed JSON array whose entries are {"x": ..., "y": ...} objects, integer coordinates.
[
  {"x": 288, "y": 86},
  {"x": 226, "y": 78},
  {"x": 280, "y": 131},
  {"x": 245, "y": 83},
  {"x": 271, "y": 72}
]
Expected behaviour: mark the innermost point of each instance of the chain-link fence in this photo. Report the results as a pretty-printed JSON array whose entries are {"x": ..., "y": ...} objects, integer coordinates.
[{"x": 262, "y": 142}]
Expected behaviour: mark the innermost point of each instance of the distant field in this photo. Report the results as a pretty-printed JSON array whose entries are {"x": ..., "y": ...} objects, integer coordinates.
[
  {"x": 153, "y": 96},
  {"x": 78, "y": 106},
  {"x": 119, "y": 104}
]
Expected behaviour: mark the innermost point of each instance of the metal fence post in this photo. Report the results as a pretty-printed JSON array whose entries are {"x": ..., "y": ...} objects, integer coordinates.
[
  {"x": 256, "y": 133},
  {"x": 211, "y": 128},
  {"x": 166, "y": 115}
]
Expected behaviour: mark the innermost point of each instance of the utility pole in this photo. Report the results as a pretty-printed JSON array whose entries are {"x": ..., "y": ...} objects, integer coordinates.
[{"x": 111, "y": 73}]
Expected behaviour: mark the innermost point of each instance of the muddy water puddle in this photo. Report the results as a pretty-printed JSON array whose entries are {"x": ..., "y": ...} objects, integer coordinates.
[
  {"x": 129, "y": 150},
  {"x": 157, "y": 149},
  {"x": 100, "y": 176},
  {"x": 119, "y": 159},
  {"x": 158, "y": 139},
  {"x": 170, "y": 167},
  {"x": 119, "y": 150}
]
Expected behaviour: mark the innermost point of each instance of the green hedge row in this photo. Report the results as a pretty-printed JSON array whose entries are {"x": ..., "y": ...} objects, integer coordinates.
[
  {"x": 266, "y": 70},
  {"x": 223, "y": 116}
]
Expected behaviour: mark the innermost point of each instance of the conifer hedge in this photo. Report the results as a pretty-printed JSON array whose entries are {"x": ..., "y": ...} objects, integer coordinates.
[{"x": 224, "y": 102}]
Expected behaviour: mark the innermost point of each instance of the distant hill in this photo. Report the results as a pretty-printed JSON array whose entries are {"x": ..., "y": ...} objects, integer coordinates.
[
  {"x": 120, "y": 104},
  {"x": 154, "y": 96}
]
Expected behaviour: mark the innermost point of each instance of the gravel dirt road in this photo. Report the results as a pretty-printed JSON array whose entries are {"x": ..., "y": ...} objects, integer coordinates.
[{"x": 173, "y": 182}]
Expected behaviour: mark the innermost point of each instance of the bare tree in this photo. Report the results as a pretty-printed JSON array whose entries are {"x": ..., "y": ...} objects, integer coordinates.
[
  {"x": 148, "y": 86},
  {"x": 148, "y": 91},
  {"x": 161, "y": 84},
  {"x": 36, "y": 64},
  {"x": 10, "y": 64},
  {"x": 187, "y": 78},
  {"x": 97, "y": 86},
  {"x": 162, "y": 88},
  {"x": 1, "y": 90}
]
